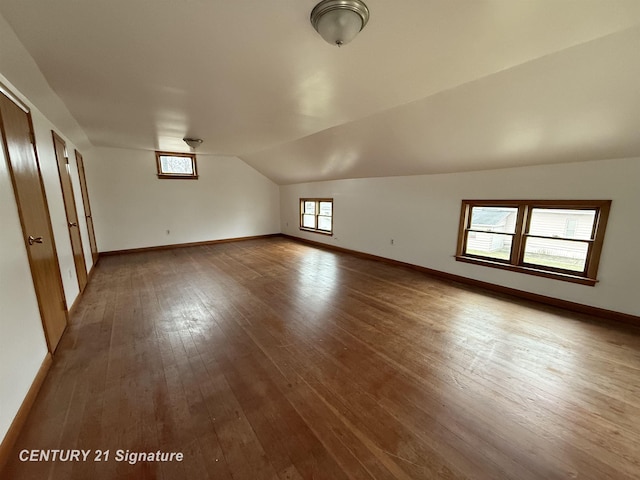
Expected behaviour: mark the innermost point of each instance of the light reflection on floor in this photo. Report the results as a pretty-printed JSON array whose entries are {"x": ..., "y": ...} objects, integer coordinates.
[{"x": 317, "y": 280}]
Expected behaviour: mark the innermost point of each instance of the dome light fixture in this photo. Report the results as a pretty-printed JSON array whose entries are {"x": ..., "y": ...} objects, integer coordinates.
[
  {"x": 192, "y": 142},
  {"x": 339, "y": 21}
]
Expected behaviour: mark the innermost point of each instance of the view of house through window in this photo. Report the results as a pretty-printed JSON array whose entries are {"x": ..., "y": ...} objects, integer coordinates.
[
  {"x": 493, "y": 229},
  {"x": 558, "y": 237},
  {"x": 316, "y": 215},
  {"x": 176, "y": 165}
]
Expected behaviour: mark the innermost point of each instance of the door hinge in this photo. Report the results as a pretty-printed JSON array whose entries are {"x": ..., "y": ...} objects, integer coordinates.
[{"x": 32, "y": 138}]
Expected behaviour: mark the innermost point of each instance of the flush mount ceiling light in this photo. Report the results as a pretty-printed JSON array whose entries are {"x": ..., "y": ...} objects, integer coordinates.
[
  {"x": 192, "y": 142},
  {"x": 339, "y": 21}
]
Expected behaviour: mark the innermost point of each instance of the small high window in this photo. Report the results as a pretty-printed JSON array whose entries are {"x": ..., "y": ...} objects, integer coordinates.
[
  {"x": 176, "y": 165},
  {"x": 316, "y": 215},
  {"x": 558, "y": 239}
]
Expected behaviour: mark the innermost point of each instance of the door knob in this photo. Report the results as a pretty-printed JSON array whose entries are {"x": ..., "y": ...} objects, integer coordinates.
[
  {"x": 33, "y": 239},
  {"x": 73, "y": 224}
]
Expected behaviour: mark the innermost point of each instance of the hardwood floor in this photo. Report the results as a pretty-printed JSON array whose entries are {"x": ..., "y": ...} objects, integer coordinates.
[{"x": 270, "y": 359}]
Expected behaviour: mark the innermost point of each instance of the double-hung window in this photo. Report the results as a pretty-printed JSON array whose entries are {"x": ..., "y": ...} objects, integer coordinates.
[
  {"x": 316, "y": 215},
  {"x": 559, "y": 239}
]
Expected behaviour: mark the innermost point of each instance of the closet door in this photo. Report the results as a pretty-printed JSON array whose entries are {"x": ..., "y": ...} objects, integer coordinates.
[
  {"x": 18, "y": 143},
  {"x": 70, "y": 208},
  {"x": 87, "y": 207}
]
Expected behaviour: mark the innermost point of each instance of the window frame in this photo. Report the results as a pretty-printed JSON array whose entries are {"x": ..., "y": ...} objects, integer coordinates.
[
  {"x": 316, "y": 214},
  {"x": 184, "y": 176},
  {"x": 588, "y": 276}
]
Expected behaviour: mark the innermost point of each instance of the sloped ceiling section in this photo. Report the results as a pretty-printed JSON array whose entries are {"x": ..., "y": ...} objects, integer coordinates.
[
  {"x": 428, "y": 86},
  {"x": 577, "y": 105}
]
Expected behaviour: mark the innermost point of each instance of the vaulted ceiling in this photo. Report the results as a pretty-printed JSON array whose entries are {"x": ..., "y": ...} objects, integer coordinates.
[{"x": 429, "y": 86}]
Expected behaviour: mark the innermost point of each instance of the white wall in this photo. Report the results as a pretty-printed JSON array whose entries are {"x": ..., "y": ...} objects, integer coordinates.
[
  {"x": 421, "y": 214},
  {"x": 132, "y": 208},
  {"x": 22, "y": 343}
]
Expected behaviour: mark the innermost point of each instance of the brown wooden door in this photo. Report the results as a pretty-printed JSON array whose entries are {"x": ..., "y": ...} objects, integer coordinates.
[
  {"x": 18, "y": 142},
  {"x": 87, "y": 207},
  {"x": 70, "y": 209}
]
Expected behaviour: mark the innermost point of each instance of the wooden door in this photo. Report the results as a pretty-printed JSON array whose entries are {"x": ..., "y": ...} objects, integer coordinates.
[
  {"x": 19, "y": 145},
  {"x": 87, "y": 207},
  {"x": 70, "y": 209}
]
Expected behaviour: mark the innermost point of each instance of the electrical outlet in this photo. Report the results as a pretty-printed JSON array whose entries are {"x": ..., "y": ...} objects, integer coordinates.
[
  {"x": 168, "y": 232},
  {"x": 392, "y": 241}
]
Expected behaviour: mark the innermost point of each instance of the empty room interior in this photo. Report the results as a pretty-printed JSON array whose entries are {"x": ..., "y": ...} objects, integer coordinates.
[{"x": 334, "y": 239}]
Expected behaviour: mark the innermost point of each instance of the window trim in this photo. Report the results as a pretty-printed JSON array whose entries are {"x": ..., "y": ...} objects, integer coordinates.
[
  {"x": 516, "y": 261},
  {"x": 184, "y": 176},
  {"x": 317, "y": 214}
]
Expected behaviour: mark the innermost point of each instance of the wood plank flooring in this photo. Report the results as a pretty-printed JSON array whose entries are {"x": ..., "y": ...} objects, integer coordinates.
[{"x": 270, "y": 359}]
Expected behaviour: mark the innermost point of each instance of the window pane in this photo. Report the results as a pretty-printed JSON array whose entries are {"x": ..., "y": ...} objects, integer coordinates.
[
  {"x": 326, "y": 208},
  {"x": 490, "y": 245},
  {"x": 494, "y": 219},
  {"x": 570, "y": 228},
  {"x": 309, "y": 221},
  {"x": 561, "y": 223},
  {"x": 176, "y": 165},
  {"x": 551, "y": 252},
  {"x": 324, "y": 223},
  {"x": 310, "y": 207}
]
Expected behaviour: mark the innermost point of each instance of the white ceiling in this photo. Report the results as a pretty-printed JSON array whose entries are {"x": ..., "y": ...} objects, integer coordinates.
[{"x": 429, "y": 86}]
